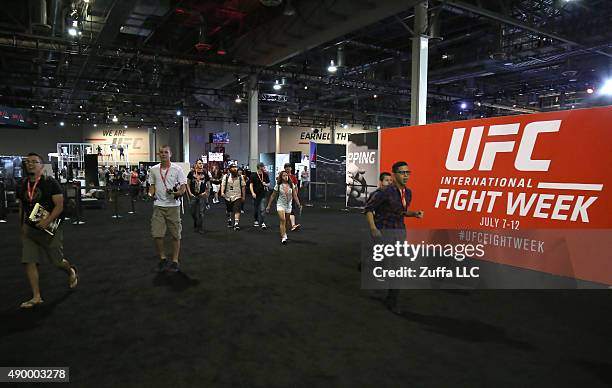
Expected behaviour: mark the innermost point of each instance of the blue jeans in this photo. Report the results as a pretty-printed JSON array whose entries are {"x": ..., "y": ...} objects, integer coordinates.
[
  {"x": 259, "y": 208},
  {"x": 198, "y": 207}
]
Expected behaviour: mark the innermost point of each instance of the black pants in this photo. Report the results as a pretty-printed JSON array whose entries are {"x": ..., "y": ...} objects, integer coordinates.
[{"x": 391, "y": 236}]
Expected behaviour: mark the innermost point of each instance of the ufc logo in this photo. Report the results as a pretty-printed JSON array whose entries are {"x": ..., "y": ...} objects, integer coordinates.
[{"x": 522, "y": 162}]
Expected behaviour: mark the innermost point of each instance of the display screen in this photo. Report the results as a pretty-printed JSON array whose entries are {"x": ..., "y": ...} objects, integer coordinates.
[{"x": 220, "y": 137}]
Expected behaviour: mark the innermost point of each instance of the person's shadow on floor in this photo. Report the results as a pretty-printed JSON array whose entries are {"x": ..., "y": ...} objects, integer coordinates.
[
  {"x": 18, "y": 320},
  {"x": 175, "y": 281},
  {"x": 469, "y": 330}
]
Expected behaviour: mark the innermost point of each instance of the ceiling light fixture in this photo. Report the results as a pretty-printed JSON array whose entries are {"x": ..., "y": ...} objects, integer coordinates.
[
  {"x": 178, "y": 112},
  {"x": 115, "y": 119},
  {"x": 61, "y": 124},
  {"x": 590, "y": 90},
  {"x": 332, "y": 68},
  {"x": 606, "y": 89},
  {"x": 277, "y": 86},
  {"x": 238, "y": 99}
]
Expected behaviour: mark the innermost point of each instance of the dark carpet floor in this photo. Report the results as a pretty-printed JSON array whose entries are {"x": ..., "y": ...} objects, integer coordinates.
[{"x": 248, "y": 312}]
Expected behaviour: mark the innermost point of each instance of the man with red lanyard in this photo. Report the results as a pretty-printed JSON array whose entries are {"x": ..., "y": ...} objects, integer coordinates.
[
  {"x": 294, "y": 181},
  {"x": 385, "y": 212},
  {"x": 259, "y": 185},
  {"x": 167, "y": 186},
  {"x": 36, "y": 242}
]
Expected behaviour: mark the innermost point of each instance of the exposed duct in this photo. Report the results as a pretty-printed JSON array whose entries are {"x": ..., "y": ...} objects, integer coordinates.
[
  {"x": 135, "y": 22},
  {"x": 38, "y": 15}
]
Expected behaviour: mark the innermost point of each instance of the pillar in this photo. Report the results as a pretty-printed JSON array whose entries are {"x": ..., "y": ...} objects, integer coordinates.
[
  {"x": 253, "y": 123},
  {"x": 420, "y": 51}
]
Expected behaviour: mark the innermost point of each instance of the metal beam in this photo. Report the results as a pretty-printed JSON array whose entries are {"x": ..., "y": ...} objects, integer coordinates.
[{"x": 517, "y": 23}]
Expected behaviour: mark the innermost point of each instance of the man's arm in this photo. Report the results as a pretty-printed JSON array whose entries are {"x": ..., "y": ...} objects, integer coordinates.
[
  {"x": 152, "y": 190},
  {"x": 373, "y": 203},
  {"x": 222, "y": 186},
  {"x": 373, "y": 229},
  {"x": 252, "y": 191},
  {"x": 417, "y": 214},
  {"x": 182, "y": 181},
  {"x": 58, "y": 202},
  {"x": 181, "y": 190},
  {"x": 243, "y": 190}
]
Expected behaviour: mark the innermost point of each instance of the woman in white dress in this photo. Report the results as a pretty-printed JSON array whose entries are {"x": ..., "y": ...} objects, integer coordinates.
[{"x": 285, "y": 193}]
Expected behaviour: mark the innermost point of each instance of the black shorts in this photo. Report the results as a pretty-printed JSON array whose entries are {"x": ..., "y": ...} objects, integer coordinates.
[{"x": 233, "y": 207}]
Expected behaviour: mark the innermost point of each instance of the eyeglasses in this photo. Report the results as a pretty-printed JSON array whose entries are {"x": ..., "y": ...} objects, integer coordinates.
[
  {"x": 31, "y": 162},
  {"x": 407, "y": 173}
]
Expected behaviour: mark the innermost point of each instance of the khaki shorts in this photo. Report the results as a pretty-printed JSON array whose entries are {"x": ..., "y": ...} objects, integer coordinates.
[
  {"x": 166, "y": 219},
  {"x": 37, "y": 244}
]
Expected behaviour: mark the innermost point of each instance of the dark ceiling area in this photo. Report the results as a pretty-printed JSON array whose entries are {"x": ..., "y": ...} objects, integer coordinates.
[{"x": 142, "y": 60}]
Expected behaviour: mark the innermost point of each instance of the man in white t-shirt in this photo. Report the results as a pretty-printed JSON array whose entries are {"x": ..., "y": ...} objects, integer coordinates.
[{"x": 168, "y": 183}]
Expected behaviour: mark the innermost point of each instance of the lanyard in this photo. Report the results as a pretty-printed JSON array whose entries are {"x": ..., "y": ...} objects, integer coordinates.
[
  {"x": 163, "y": 178},
  {"x": 31, "y": 190},
  {"x": 260, "y": 177},
  {"x": 286, "y": 190}
]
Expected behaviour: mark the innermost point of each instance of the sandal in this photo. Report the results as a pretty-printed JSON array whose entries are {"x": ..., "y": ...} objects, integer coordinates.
[
  {"x": 31, "y": 303},
  {"x": 73, "y": 280}
]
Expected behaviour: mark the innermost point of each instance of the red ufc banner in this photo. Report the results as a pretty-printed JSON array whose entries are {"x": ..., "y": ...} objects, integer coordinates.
[{"x": 535, "y": 189}]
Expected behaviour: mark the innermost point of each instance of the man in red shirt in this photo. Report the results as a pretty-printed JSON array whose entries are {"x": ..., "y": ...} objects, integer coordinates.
[{"x": 294, "y": 206}]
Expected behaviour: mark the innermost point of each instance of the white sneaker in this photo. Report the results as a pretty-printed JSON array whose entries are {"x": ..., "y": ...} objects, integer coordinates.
[
  {"x": 256, "y": 224},
  {"x": 2, "y": 221},
  {"x": 284, "y": 240},
  {"x": 263, "y": 226}
]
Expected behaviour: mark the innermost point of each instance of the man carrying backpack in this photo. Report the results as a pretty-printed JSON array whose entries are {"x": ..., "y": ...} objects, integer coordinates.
[{"x": 233, "y": 191}]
